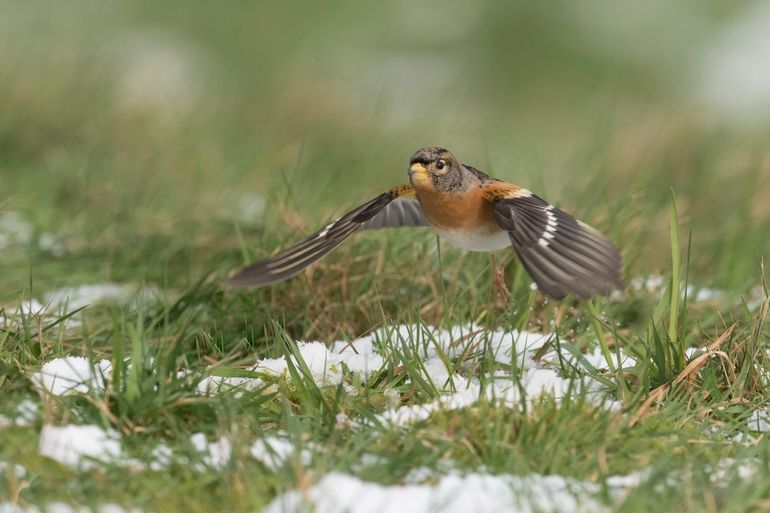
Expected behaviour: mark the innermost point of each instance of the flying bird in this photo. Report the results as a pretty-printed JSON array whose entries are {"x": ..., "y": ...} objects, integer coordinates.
[{"x": 476, "y": 212}]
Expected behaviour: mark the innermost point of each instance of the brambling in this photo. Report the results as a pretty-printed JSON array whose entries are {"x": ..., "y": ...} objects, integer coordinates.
[{"x": 474, "y": 211}]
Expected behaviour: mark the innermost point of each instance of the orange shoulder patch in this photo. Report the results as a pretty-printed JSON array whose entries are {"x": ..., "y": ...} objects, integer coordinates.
[
  {"x": 402, "y": 191},
  {"x": 502, "y": 190}
]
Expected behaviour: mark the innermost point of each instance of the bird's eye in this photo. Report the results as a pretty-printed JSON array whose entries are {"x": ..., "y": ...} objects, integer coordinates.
[{"x": 440, "y": 164}]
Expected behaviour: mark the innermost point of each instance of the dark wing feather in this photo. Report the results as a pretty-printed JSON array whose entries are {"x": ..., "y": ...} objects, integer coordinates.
[
  {"x": 401, "y": 212},
  {"x": 561, "y": 254},
  {"x": 384, "y": 211}
]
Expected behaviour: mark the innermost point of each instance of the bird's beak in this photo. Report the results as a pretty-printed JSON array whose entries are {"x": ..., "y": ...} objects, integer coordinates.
[{"x": 417, "y": 172}]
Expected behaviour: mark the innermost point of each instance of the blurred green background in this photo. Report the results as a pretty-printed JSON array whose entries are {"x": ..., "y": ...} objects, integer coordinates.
[{"x": 138, "y": 138}]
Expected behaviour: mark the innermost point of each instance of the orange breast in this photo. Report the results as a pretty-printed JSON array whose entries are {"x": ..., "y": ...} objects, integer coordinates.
[{"x": 464, "y": 211}]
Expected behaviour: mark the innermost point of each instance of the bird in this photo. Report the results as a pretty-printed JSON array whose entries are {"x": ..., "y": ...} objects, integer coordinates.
[{"x": 470, "y": 209}]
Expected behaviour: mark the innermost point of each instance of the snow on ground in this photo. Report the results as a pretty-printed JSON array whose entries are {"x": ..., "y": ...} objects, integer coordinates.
[
  {"x": 13, "y": 316},
  {"x": 62, "y": 376},
  {"x": 88, "y": 445},
  {"x": 58, "y": 302},
  {"x": 27, "y": 412},
  {"x": 472, "y": 493},
  {"x": 324, "y": 364},
  {"x": 14, "y": 230},
  {"x": 121, "y": 293},
  {"x": 79, "y": 445},
  {"x": 246, "y": 209},
  {"x": 85, "y": 446},
  {"x": 656, "y": 284},
  {"x": 215, "y": 454},
  {"x": 430, "y": 346},
  {"x": 759, "y": 420},
  {"x": 480, "y": 492},
  {"x": 274, "y": 451},
  {"x": 362, "y": 356},
  {"x": 755, "y": 298},
  {"x": 17, "y": 232},
  {"x": 18, "y": 471},
  {"x": 217, "y": 384},
  {"x": 53, "y": 244}
]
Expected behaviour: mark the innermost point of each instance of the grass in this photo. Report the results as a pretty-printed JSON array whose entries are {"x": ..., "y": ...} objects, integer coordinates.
[{"x": 149, "y": 195}]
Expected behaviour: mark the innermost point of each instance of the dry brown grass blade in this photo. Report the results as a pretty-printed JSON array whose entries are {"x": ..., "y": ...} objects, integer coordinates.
[
  {"x": 646, "y": 407},
  {"x": 692, "y": 368},
  {"x": 689, "y": 372}
]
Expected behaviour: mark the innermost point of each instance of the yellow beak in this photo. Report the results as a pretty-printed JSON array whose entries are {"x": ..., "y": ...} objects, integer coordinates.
[{"x": 418, "y": 172}]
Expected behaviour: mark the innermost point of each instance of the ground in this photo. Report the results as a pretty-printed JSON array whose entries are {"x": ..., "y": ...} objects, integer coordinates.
[{"x": 147, "y": 150}]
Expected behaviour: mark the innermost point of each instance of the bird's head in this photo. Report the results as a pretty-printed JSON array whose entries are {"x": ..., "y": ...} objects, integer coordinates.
[{"x": 435, "y": 169}]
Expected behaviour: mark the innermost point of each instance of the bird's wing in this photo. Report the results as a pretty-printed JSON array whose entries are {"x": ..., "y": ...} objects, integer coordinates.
[
  {"x": 391, "y": 209},
  {"x": 561, "y": 254}
]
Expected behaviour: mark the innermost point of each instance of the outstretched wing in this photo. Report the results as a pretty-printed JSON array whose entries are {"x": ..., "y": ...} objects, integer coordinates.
[
  {"x": 561, "y": 254},
  {"x": 391, "y": 209}
]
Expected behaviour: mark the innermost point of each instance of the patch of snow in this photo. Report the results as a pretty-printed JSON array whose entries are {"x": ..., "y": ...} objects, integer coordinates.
[
  {"x": 13, "y": 468},
  {"x": 744, "y": 438},
  {"x": 595, "y": 359},
  {"x": 62, "y": 376},
  {"x": 325, "y": 367},
  {"x": 52, "y": 244},
  {"x": 416, "y": 412},
  {"x": 26, "y": 413},
  {"x": 274, "y": 451},
  {"x": 12, "y": 507},
  {"x": 537, "y": 382},
  {"x": 473, "y": 493},
  {"x": 702, "y": 294},
  {"x": 745, "y": 468},
  {"x": 654, "y": 283},
  {"x": 58, "y": 302},
  {"x": 393, "y": 397},
  {"x": 31, "y": 309},
  {"x": 426, "y": 475},
  {"x": 432, "y": 346},
  {"x": 537, "y": 378},
  {"x": 691, "y": 352},
  {"x": 161, "y": 457},
  {"x": 84, "y": 295},
  {"x": 759, "y": 420},
  {"x": 26, "y": 309},
  {"x": 215, "y": 454},
  {"x": 246, "y": 209},
  {"x": 79, "y": 446},
  {"x": 14, "y": 230},
  {"x": 756, "y": 298},
  {"x": 215, "y": 384}
]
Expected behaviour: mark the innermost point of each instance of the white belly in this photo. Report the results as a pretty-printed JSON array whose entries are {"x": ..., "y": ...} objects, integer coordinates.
[{"x": 474, "y": 241}]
